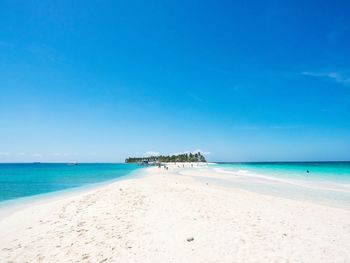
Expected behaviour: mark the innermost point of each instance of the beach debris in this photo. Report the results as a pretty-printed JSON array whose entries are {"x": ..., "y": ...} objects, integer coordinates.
[{"x": 190, "y": 239}]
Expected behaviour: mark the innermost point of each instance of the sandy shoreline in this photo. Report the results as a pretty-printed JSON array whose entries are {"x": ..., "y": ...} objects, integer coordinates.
[{"x": 155, "y": 218}]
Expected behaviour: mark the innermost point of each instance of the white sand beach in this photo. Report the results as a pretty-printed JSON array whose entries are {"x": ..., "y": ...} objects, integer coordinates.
[{"x": 164, "y": 216}]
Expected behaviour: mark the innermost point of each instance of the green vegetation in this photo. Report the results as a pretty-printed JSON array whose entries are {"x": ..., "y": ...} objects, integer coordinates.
[{"x": 185, "y": 157}]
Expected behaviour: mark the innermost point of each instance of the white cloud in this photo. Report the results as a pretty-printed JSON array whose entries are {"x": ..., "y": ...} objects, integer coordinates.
[
  {"x": 37, "y": 155},
  {"x": 22, "y": 153},
  {"x": 4, "y": 153},
  {"x": 335, "y": 76}
]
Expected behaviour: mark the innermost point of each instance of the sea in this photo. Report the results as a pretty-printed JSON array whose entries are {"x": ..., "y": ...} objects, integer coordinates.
[
  {"x": 327, "y": 183},
  {"x": 23, "y": 180}
]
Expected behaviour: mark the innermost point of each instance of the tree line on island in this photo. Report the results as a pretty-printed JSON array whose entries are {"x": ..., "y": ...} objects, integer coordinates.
[{"x": 184, "y": 157}]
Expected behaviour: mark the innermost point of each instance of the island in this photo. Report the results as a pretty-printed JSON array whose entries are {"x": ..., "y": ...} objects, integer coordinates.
[{"x": 184, "y": 157}]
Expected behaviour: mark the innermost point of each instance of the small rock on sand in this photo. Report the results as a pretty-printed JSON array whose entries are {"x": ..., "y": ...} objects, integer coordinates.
[{"x": 189, "y": 239}]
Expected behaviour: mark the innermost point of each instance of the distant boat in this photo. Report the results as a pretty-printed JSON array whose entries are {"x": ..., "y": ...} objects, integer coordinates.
[
  {"x": 36, "y": 162},
  {"x": 72, "y": 163}
]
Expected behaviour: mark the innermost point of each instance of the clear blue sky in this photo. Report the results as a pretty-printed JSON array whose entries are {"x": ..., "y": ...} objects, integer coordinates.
[{"x": 243, "y": 80}]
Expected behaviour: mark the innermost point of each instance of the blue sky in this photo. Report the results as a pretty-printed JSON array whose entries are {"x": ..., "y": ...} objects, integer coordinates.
[{"x": 240, "y": 80}]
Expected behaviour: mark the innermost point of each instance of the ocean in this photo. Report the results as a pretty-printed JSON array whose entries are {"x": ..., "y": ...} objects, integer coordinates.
[
  {"x": 32, "y": 179},
  {"x": 322, "y": 182}
]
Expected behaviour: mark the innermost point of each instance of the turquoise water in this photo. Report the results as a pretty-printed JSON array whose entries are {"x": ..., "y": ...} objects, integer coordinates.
[
  {"x": 325, "y": 182},
  {"x": 333, "y": 172},
  {"x": 25, "y": 180}
]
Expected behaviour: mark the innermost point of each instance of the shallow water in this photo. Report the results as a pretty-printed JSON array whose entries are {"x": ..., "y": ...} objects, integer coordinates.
[
  {"x": 26, "y": 180},
  {"x": 325, "y": 182}
]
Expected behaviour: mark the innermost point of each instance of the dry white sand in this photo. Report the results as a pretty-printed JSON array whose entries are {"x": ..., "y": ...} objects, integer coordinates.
[{"x": 167, "y": 217}]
